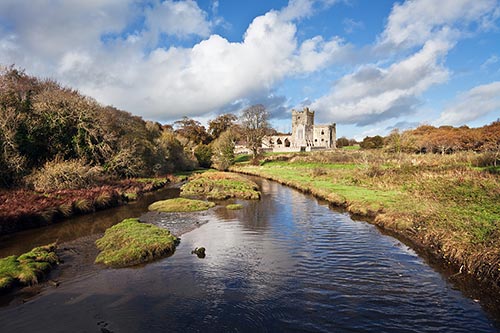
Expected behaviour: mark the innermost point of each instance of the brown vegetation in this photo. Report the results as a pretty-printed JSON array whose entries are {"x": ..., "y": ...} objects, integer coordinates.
[
  {"x": 23, "y": 209},
  {"x": 43, "y": 124}
]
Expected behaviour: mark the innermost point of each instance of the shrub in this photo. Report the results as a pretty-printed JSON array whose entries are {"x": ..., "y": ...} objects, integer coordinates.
[
  {"x": 62, "y": 175},
  {"x": 223, "y": 151},
  {"x": 203, "y": 154}
]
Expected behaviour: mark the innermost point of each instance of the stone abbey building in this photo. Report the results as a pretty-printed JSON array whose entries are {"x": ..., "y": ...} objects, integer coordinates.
[{"x": 305, "y": 135}]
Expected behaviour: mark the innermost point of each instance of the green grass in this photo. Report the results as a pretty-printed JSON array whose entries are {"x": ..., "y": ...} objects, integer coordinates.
[
  {"x": 27, "y": 268},
  {"x": 242, "y": 158},
  {"x": 130, "y": 196},
  {"x": 181, "y": 205},
  {"x": 234, "y": 206},
  {"x": 442, "y": 202},
  {"x": 156, "y": 182},
  {"x": 131, "y": 242},
  {"x": 220, "y": 185},
  {"x": 357, "y": 147}
]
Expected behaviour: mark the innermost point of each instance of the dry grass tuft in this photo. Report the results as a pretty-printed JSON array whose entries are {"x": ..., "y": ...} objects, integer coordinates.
[{"x": 64, "y": 175}]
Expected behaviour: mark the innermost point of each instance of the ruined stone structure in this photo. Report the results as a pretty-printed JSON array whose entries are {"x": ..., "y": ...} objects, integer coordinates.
[{"x": 305, "y": 135}]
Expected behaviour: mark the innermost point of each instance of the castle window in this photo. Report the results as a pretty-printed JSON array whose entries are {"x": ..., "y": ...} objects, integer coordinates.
[
  {"x": 287, "y": 143},
  {"x": 322, "y": 140},
  {"x": 322, "y": 133},
  {"x": 315, "y": 140},
  {"x": 279, "y": 142}
]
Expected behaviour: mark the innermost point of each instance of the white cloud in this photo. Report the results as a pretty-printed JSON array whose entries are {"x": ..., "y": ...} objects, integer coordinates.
[
  {"x": 162, "y": 83},
  {"x": 415, "y": 21},
  {"x": 373, "y": 93},
  {"x": 351, "y": 25},
  {"x": 180, "y": 18},
  {"x": 109, "y": 49},
  {"x": 491, "y": 61},
  {"x": 298, "y": 9},
  {"x": 473, "y": 104}
]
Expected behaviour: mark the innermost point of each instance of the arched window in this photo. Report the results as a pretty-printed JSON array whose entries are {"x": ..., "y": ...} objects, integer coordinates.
[
  {"x": 322, "y": 132},
  {"x": 279, "y": 142},
  {"x": 287, "y": 143}
]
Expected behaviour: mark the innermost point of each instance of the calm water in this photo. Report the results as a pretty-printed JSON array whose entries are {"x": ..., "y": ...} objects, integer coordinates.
[{"x": 284, "y": 264}]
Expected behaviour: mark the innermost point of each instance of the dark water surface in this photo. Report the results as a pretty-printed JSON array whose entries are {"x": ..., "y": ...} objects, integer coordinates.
[{"x": 283, "y": 264}]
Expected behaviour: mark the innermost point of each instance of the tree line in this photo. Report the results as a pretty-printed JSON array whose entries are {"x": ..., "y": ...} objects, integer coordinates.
[
  {"x": 438, "y": 140},
  {"x": 47, "y": 128}
]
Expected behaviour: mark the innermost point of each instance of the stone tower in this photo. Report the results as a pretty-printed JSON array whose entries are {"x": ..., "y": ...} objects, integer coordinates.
[{"x": 302, "y": 127}]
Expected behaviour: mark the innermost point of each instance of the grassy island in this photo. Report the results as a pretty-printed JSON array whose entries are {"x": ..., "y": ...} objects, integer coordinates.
[
  {"x": 234, "y": 206},
  {"x": 27, "y": 268},
  {"x": 131, "y": 242},
  {"x": 218, "y": 185},
  {"x": 444, "y": 203},
  {"x": 181, "y": 205}
]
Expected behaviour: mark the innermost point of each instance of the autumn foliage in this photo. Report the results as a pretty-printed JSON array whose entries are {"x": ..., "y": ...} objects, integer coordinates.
[
  {"x": 441, "y": 140},
  {"x": 42, "y": 122}
]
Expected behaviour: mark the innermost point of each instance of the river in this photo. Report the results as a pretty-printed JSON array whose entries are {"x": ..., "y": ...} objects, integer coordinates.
[{"x": 286, "y": 263}]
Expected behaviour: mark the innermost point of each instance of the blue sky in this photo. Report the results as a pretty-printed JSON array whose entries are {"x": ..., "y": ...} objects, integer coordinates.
[{"x": 369, "y": 66}]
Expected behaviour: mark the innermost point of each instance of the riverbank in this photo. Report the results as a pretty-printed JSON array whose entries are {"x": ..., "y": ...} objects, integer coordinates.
[
  {"x": 443, "y": 204},
  {"x": 24, "y": 209}
]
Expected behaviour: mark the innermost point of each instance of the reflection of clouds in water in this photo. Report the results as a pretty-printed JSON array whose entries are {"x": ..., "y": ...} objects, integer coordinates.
[{"x": 255, "y": 265}]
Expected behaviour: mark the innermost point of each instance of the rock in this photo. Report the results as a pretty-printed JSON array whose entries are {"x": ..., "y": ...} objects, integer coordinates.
[{"x": 199, "y": 251}]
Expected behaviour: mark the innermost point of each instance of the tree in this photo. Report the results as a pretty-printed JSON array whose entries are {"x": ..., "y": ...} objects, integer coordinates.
[
  {"x": 223, "y": 151},
  {"x": 192, "y": 130},
  {"x": 221, "y": 124},
  {"x": 254, "y": 127},
  {"x": 398, "y": 142},
  {"x": 203, "y": 154},
  {"x": 372, "y": 142},
  {"x": 342, "y": 142}
]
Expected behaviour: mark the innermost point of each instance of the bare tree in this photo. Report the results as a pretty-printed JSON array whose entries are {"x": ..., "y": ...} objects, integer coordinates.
[{"x": 255, "y": 127}]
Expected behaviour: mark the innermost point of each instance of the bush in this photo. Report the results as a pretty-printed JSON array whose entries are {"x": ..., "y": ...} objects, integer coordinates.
[
  {"x": 203, "y": 154},
  {"x": 223, "y": 151},
  {"x": 342, "y": 142},
  {"x": 63, "y": 175}
]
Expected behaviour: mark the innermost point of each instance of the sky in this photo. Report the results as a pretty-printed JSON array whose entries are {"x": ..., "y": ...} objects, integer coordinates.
[{"x": 368, "y": 66}]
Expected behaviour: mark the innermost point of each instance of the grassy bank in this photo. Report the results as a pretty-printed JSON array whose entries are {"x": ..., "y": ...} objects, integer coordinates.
[
  {"x": 27, "y": 268},
  {"x": 445, "y": 203},
  {"x": 215, "y": 185},
  {"x": 131, "y": 242},
  {"x": 24, "y": 209}
]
